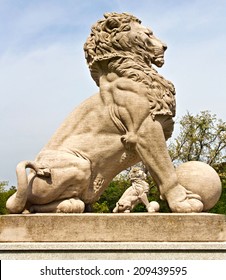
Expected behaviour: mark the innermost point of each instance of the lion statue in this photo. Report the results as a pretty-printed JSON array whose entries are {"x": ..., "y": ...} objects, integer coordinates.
[
  {"x": 127, "y": 121},
  {"x": 136, "y": 193}
]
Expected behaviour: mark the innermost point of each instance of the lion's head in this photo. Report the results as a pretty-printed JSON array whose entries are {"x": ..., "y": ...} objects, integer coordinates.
[
  {"x": 120, "y": 44},
  {"x": 122, "y": 36},
  {"x": 137, "y": 173}
]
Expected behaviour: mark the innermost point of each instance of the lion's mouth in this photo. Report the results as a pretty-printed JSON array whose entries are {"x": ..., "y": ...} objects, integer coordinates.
[
  {"x": 159, "y": 60},
  {"x": 155, "y": 55}
]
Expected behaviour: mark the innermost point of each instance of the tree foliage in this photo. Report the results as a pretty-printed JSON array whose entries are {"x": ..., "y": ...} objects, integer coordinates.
[
  {"x": 4, "y": 195},
  {"x": 202, "y": 138},
  {"x": 108, "y": 199}
]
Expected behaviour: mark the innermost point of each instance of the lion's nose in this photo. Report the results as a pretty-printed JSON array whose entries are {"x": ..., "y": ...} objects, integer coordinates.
[{"x": 164, "y": 47}]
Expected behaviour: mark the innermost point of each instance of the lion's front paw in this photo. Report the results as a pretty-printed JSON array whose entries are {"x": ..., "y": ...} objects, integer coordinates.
[
  {"x": 182, "y": 201},
  {"x": 186, "y": 206}
]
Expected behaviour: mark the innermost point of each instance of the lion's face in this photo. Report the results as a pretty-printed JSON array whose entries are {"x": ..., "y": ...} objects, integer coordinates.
[
  {"x": 122, "y": 35},
  {"x": 137, "y": 173},
  {"x": 152, "y": 49}
]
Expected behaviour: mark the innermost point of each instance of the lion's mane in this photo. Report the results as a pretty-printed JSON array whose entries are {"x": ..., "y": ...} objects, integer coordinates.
[{"x": 110, "y": 43}]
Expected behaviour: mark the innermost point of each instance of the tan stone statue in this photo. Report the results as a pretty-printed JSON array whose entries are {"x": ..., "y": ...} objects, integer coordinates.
[
  {"x": 127, "y": 121},
  {"x": 135, "y": 194}
]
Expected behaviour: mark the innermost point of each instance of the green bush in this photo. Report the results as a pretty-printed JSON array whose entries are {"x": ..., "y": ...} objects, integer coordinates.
[{"x": 4, "y": 195}]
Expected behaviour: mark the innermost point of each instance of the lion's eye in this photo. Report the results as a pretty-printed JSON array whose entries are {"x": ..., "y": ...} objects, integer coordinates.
[{"x": 149, "y": 32}]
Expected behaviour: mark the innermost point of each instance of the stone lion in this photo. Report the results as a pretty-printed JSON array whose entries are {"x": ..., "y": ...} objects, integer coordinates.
[
  {"x": 127, "y": 121},
  {"x": 136, "y": 193}
]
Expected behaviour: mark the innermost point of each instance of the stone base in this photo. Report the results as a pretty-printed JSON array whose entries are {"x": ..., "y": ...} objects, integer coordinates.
[
  {"x": 135, "y": 227},
  {"x": 113, "y": 251}
]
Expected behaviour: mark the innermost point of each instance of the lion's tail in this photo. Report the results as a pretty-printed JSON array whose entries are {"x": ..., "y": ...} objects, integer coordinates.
[{"x": 16, "y": 203}]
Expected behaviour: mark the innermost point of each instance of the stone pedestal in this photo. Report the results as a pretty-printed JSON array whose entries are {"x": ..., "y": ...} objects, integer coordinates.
[
  {"x": 93, "y": 236},
  {"x": 136, "y": 227}
]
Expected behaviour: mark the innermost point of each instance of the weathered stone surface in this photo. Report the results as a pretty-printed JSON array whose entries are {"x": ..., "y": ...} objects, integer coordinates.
[
  {"x": 113, "y": 228},
  {"x": 127, "y": 121}
]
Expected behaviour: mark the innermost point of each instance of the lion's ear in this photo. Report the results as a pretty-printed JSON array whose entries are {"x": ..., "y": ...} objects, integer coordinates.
[{"x": 111, "y": 23}]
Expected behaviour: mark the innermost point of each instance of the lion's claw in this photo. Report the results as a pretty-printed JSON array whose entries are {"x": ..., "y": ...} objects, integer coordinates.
[
  {"x": 187, "y": 206},
  {"x": 181, "y": 200}
]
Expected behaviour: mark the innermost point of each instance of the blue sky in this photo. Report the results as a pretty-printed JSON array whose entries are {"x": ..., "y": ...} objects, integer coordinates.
[{"x": 43, "y": 73}]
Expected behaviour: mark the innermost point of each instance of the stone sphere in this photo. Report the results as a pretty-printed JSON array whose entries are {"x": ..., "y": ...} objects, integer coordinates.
[
  {"x": 153, "y": 206},
  {"x": 201, "y": 179}
]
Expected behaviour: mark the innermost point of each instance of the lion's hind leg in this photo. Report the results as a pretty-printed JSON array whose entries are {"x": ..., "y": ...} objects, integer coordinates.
[{"x": 71, "y": 205}]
